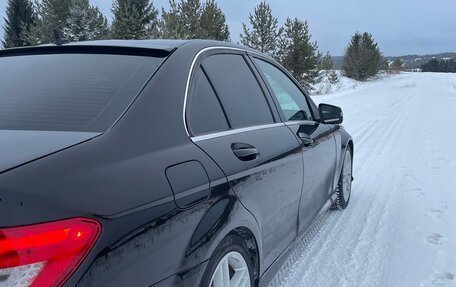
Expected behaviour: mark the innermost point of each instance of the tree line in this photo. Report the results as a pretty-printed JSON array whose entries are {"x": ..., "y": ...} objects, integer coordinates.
[
  {"x": 32, "y": 23},
  {"x": 441, "y": 66}
]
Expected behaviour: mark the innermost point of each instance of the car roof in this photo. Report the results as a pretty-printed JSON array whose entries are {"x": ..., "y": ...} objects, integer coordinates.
[
  {"x": 167, "y": 45},
  {"x": 156, "y": 44},
  {"x": 160, "y": 44}
]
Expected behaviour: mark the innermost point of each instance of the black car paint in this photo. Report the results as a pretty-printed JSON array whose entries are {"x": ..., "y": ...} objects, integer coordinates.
[
  {"x": 44, "y": 143},
  {"x": 319, "y": 155},
  {"x": 259, "y": 183},
  {"x": 119, "y": 179},
  {"x": 319, "y": 160}
]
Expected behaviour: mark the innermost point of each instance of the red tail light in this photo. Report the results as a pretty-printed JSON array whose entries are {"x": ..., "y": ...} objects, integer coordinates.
[{"x": 44, "y": 255}]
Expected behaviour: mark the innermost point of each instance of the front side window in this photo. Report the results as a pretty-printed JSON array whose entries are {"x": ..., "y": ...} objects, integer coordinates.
[
  {"x": 205, "y": 113},
  {"x": 238, "y": 89},
  {"x": 291, "y": 100}
]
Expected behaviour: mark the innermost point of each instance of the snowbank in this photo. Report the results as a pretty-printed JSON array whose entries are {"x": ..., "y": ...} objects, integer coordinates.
[{"x": 326, "y": 85}]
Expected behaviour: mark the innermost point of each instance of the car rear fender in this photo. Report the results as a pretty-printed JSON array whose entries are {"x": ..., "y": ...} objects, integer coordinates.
[{"x": 225, "y": 216}]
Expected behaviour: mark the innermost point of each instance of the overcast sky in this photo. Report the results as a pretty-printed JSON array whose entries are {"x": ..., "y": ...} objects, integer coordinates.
[{"x": 400, "y": 26}]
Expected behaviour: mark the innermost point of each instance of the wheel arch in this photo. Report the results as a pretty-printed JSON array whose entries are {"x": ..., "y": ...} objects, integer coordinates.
[
  {"x": 349, "y": 145},
  {"x": 229, "y": 218},
  {"x": 346, "y": 143},
  {"x": 252, "y": 247}
]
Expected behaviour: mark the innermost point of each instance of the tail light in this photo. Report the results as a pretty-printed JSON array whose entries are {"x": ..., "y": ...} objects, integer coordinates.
[{"x": 46, "y": 254}]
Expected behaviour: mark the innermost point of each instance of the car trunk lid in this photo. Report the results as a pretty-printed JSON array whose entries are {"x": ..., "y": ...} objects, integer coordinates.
[{"x": 18, "y": 147}]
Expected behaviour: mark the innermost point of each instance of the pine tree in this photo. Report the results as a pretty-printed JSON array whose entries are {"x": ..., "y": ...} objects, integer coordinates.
[
  {"x": 99, "y": 24},
  {"x": 397, "y": 65},
  {"x": 190, "y": 14},
  {"x": 452, "y": 66},
  {"x": 265, "y": 33},
  {"x": 362, "y": 57},
  {"x": 441, "y": 66},
  {"x": 33, "y": 36},
  {"x": 188, "y": 19},
  {"x": 77, "y": 24},
  {"x": 352, "y": 59},
  {"x": 371, "y": 56},
  {"x": 297, "y": 53},
  {"x": 170, "y": 25},
  {"x": 133, "y": 19},
  {"x": 20, "y": 18},
  {"x": 384, "y": 65},
  {"x": 213, "y": 22},
  {"x": 53, "y": 15},
  {"x": 326, "y": 63},
  {"x": 85, "y": 22},
  {"x": 431, "y": 66},
  {"x": 333, "y": 78}
]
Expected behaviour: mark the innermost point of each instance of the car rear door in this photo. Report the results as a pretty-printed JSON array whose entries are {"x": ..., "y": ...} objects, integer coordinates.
[
  {"x": 259, "y": 155},
  {"x": 316, "y": 140}
]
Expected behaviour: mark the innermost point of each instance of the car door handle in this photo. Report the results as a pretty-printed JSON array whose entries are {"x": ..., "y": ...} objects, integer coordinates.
[
  {"x": 306, "y": 140},
  {"x": 244, "y": 152}
]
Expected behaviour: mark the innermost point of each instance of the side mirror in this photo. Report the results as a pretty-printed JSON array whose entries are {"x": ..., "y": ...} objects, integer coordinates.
[{"x": 330, "y": 114}]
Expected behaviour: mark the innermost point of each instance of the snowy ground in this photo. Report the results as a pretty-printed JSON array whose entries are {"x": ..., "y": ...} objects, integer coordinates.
[
  {"x": 324, "y": 85},
  {"x": 400, "y": 226}
]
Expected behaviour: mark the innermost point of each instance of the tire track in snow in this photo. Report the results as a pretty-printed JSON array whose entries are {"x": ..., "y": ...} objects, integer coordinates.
[
  {"x": 326, "y": 250},
  {"x": 334, "y": 228},
  {"x": 359, "y": 238},
  {"x": 425, "y": 245},
  {"x": 388, "y": 206}
]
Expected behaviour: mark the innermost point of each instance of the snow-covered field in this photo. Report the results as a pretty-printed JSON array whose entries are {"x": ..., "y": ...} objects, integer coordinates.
[{"x": 400, "y": 226}]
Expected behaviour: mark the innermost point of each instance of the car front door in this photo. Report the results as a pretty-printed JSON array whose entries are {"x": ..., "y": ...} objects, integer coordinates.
[
  {"x": 259, "y": 155},
  {"x": 316, "y": 140}
]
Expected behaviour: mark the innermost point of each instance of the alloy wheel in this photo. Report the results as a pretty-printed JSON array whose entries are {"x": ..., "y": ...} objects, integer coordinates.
[
  {"x": 231, "y": 271},
  {"x": 347, "y": 176}
]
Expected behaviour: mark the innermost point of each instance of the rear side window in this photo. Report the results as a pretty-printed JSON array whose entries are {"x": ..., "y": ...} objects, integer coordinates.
[
  {"x": 238, "y": 89},
  {"x": 69, "y": 92},
  {"x": 205, "y": 114}
]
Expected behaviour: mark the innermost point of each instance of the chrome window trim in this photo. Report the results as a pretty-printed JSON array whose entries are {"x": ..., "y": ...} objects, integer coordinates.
[
  {"x": 234, "y": 131},
  {"x": 291, "y": 123},
  {"x": 192, "y": 67},
  {"x": 330, "y": 121}
]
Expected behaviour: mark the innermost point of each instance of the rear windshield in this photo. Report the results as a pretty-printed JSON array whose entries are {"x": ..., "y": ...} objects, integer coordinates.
[{"x": 70, "y": 92}]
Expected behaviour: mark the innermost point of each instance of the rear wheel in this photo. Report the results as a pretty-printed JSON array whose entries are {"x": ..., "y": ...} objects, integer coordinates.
[
  {"x": 344, "y": 187},
  {"x": 229, "y": 266}
]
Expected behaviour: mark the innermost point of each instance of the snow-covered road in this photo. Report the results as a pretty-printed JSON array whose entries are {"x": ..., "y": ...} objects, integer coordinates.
[{"x": 400, "y": 226}]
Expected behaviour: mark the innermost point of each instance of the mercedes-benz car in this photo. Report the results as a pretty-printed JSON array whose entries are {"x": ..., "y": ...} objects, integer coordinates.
[{"x": 159, "y": 163}]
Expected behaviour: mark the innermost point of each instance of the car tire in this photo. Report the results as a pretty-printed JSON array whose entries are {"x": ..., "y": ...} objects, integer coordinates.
[
  {"x": 343, "y": 191},
  {"x": 229, "y": 255}
]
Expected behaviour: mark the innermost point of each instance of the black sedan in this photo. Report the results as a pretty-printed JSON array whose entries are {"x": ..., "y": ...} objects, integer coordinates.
[{"x": 159, "y": 163}]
